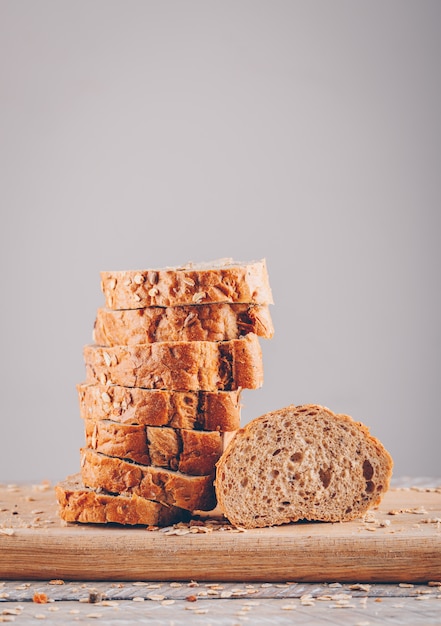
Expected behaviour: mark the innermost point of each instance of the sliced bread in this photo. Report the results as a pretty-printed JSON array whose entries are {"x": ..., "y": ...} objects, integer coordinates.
[
  {"x": 189, "y": 451},
  {"x": 206, "y": 322},
  {"x": 222, "y": 281},
  {"x": 161, "y": 485},
  {"x": 301, "y": 462},
  {"x": 201, "y": 410},
  {"x": 179, "y": 365},
  {"x": 78, "y": 503}
]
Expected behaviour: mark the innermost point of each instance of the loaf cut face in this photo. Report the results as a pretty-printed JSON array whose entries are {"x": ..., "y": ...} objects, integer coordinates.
[
  {"x": 301, "y": 463},
  {"x": 205, "y": 322},
  {"x": 201, "y": 410},
  {"x": 204, "y": 283}
]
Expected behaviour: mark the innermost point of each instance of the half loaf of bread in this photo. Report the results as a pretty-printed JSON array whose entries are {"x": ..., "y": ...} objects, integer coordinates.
[
  {"x": 301, "y": 463},
  {"x": 192, "y": 452},
  {"x": 221, "y": 281},
  {"x": 179, "y": 365},
  {"x": 161, "y": 485},
  {"x": 206, "y": 322},
  {"x": 78, "y": 503},
  {"x": 201, "y": 410}
]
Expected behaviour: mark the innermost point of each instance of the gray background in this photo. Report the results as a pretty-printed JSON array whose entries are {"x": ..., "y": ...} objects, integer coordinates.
[{"x": 143, "y": 134}]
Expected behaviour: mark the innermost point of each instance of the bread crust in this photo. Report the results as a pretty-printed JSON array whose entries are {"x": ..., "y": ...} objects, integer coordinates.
[
  {"x": 188, "y": 451},
  {"x": 225, "y": 281},
  {"x": 161, "y": 485},
  {"x": 179, "y": 365},
  {"x": 301, "y": 462},
  {"x": 78, "y": 503},
  {"x": 205, "y": 322},
  {"x": 201, "y": 410}
]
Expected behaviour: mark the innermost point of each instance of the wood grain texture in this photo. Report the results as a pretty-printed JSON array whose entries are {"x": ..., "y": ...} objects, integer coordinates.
[{"x": 404, "y": 547}]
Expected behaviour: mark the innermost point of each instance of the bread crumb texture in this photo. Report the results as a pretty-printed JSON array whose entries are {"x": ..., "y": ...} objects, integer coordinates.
[{"x": 301, "y": 463}]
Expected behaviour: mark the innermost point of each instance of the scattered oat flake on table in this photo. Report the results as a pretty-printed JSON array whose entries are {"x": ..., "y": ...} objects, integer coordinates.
[
  {"x": 420, "y": 510},
  {"x": 43, "y": 486},
  {"x": 360, "y": 587},
  {"x": 7, "y": 531},
  {"x": 14, "y": 611},
  {"x": 40, "y": 598}
]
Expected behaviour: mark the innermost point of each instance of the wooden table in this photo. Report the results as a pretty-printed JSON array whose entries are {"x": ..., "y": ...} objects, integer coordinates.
[{"x": 174, "y": 601}]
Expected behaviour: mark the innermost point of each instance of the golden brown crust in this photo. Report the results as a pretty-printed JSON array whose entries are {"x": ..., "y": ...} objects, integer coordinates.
[
  {"x": 179, "y": 365},
  {"x": 78, "y": 503},
  {"x": 306, "y": 463},
  {"x": 190, "y": 284},
  {"x": 188, "y": 451},
  {"x": 200, "y": 410},
  {"x": 161, "y": 485},
  {"x": 206, "y": 322}
]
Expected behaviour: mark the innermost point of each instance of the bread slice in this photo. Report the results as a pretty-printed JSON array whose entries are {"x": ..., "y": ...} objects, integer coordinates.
[
  {"x": 189, "y": 451},
  {"x": 179, "y": 365},
  {"x": 203, "y": 283},
  {"x": 201, "y": 410},
  {"x": 78, "y": 503},
  {"x": 161, "y": 485},
  {"x": 301, "y": 462},
  {"x": 206, "y": 322}
]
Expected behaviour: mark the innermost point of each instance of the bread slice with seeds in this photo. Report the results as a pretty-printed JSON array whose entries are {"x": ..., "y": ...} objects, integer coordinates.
[
  {"x": 204, "y": 322},
  {"x": 192, "y": 452},
  {"x": 201, "y": 410},
  {"x": 179, "y": 365},
  {"x": 194, "y": 283},
  {"x": 78, "y": 503},
  {"x": 301, "y": 463},
  {"x": 161, "y": 485}
]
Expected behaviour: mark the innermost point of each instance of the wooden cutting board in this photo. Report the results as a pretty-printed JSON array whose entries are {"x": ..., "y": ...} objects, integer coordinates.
[{"x": 398, "y": 542}]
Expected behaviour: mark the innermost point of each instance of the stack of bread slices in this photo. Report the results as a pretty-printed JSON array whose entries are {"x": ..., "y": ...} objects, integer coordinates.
[{"x": 173, "y": 349}]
